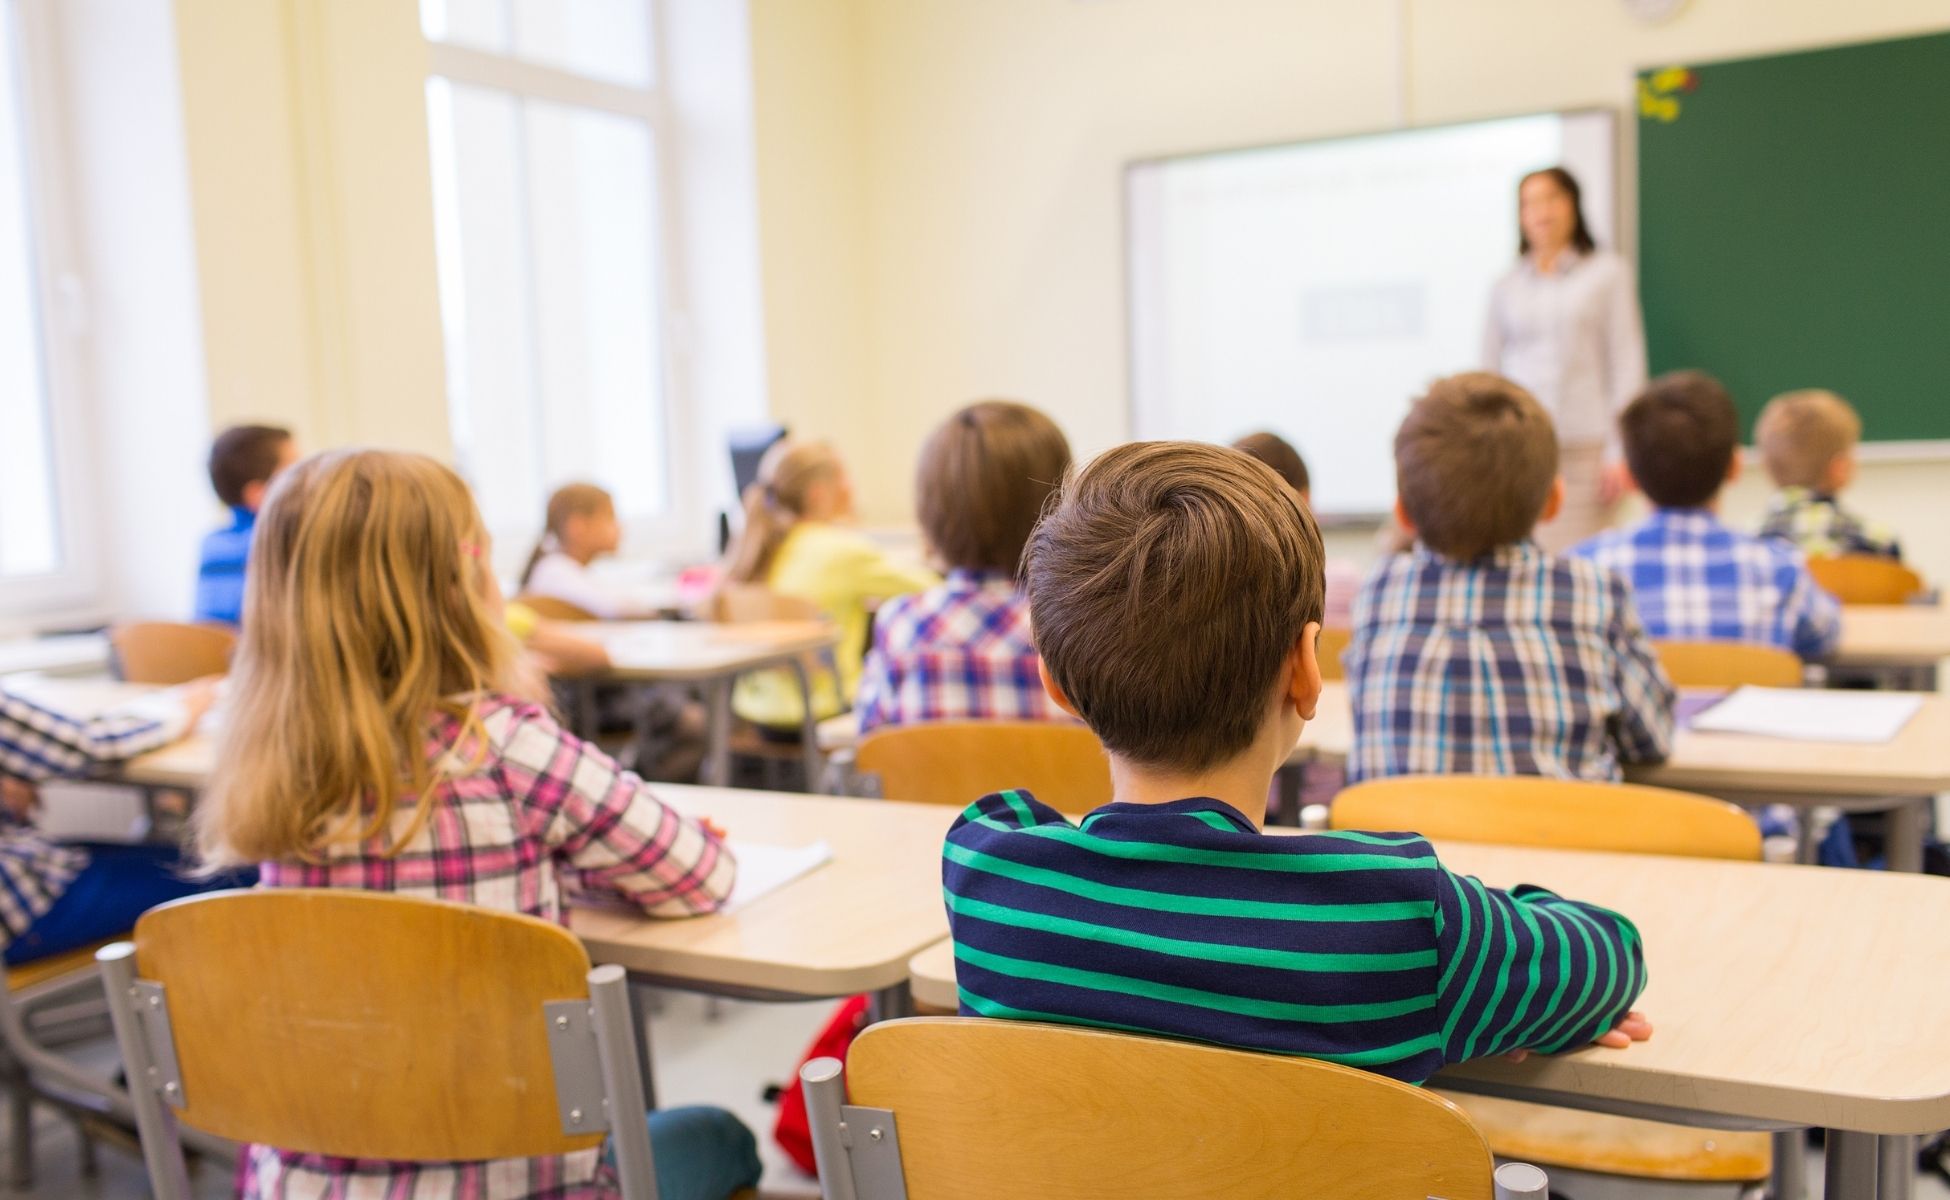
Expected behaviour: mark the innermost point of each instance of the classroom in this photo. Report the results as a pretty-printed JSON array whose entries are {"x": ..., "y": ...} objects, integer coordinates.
[{"x": 968, "y": 599}]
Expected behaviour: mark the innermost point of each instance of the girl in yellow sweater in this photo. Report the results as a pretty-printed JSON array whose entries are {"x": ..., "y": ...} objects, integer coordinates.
[{"x": 798, "y": 541}]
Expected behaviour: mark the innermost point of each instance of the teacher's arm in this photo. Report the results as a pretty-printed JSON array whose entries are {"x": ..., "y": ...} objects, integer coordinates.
[{"x": 1625, "y": 372}]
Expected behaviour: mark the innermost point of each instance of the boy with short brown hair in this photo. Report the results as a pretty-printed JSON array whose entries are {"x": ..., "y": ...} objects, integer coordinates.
[
  {"x": 1693, "y": 577},
  {"x": 1478, "y": 652},
  {"x": 243, "y": 461},
  {"x": 1176, "y": 593},
  {"x": 1807, "y": 441}
]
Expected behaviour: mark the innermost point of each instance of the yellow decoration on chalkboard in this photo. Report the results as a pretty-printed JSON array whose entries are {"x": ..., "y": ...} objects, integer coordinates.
[{"x": 1657, "y": 98}]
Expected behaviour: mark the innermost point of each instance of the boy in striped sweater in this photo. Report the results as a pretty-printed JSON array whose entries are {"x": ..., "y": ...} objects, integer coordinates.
[{"x": 1175, "y": 591}]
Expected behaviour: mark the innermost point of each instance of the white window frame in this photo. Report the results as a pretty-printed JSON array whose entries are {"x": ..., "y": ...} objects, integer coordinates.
[
  {"x": 74, "y": 589},
  {"x": 684, "y": 523}
]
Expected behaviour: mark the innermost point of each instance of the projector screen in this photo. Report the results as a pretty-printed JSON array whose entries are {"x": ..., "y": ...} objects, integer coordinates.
[{"x": 1314, "y": 289}]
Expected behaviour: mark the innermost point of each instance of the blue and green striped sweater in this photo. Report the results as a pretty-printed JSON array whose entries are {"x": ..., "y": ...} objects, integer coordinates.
[{"x": 1185, "y": 920}]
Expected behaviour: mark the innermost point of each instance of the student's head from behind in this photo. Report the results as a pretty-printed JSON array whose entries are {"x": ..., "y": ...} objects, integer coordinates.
[
  {"x": 983, "y": 478},
  {"x": 245, "y": 458},
  {"x": 797, "y": 481},
  {"x": 580, "y": 522},
  {"x": 1550, "y": 213},
  {"x": 1807, "y": 439},
  {"x": 1682, "y": 439},
  {"x": 1279, "y": 454},
  {"x": 371, "y": 608},
  {"x": 1475, "y": 466},
  {"x": 1175, "y": 589}
]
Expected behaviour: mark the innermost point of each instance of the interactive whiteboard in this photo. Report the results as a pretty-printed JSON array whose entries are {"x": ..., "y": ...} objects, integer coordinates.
[{"x": 1315, "y": 288}]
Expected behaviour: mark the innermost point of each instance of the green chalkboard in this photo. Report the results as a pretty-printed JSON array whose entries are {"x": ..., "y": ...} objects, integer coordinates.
[{"x": 1794, "y": 227}]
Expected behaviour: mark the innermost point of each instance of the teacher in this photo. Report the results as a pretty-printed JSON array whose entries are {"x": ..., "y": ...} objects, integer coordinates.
[{"x": 1564, "y": 322}]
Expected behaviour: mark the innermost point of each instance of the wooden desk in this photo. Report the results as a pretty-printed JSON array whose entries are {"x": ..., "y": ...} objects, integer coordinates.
[
  {"x": 63, "y": 655},
  {"x": 1909, "y": 640},
  {"x": 1900, "y": 776},
  {"x": 1782, "y": 995},
  {"x": 713, "y": 655},
  {"x": 849, "y": 926}
]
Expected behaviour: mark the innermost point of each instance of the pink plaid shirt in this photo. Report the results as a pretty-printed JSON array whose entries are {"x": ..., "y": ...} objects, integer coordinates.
[
  {"x": 958, "y": 652},
  {"x": 539, "y": 813}
]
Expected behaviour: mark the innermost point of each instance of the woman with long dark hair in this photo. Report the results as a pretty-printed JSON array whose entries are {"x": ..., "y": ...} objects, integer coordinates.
[{"x": 1564, "y": 322}]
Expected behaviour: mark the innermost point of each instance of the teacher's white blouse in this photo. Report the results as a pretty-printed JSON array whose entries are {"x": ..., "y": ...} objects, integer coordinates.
[{"x": 1574, "y": 337}]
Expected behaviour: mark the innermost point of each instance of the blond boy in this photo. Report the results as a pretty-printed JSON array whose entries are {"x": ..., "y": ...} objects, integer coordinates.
[{"x": 1807, "y": 441}]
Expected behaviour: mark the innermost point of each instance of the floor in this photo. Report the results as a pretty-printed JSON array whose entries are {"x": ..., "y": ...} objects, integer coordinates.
[{"x": 720, "y": 1053}]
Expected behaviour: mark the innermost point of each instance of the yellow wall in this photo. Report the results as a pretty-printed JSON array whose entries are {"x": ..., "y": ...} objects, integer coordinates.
[
  {"x": 992, "y": 135},
  {"x": 306, "y": 127}
]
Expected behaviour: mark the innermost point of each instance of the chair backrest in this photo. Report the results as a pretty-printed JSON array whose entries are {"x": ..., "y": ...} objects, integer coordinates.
[
  {"x": 363, "y": 1024},
  {"x": 743, "y": 603},
  {"x": 1333, "y": 644},
  {"x": 1866, "y": 579},
  {"x": 1729, "y": 665},
  {"x": 169, "y": 653},
  {"x": 1561, "y": 813},
  {"x": 985, "y": 1108},
  {"x": 554, "y": 608},
  {"x": 958, "y": 762}
]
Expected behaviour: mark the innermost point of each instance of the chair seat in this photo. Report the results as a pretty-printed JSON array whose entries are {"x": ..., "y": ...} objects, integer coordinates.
[
  {"x": 22, "y": 977},
  {"x": 1583, "y": 1141}
]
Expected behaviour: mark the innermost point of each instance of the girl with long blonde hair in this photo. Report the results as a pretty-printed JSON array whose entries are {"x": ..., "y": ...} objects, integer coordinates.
[
  {"x": 798, "y": 540},
  {"x": 377, "y": 738}
]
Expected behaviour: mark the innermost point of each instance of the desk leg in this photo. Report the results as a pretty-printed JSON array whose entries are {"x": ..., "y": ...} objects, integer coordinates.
[
  {"x": 717, "y": 732},
  {"x": 1789, "y": 1180},
  {"x": 1851, "y": 1166},
  {"x": 810, "y": 760},
  {"x": 1896, "y": 1176},
  {"x": 889, "y": 1003},
  {"x": 640, "y": 1017},
  {"x": 1906, "y": 824}
]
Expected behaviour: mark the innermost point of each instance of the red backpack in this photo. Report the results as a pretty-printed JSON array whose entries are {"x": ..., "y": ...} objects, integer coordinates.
[{"x": 792, "y": 1131}]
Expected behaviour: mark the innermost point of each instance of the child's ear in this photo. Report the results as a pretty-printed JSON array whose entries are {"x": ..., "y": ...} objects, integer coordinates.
[
  {"x": 1303, "y": 672},
  {"x": 1553, "y": 502},
  {"x": 1840, "y": 473},
  {"x": 1401, "y": 519},
  {"x": 253, "y": 494},
  {"x": 1055, "y": 690},
  {"x": 1734, "y": 467}
]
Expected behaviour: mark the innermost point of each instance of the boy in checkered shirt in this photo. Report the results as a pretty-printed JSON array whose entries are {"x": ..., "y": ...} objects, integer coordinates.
[
  {"x": 1807, "y": 441},
  {"x": 1477, "y": 651}
]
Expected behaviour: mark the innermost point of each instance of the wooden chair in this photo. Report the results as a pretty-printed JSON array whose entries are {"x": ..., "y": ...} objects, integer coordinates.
[
  {"x": 1333, "y": 644},
  {"x": 302, "y": 1018},
  {"x": 553, "y": 608},
  {"x": 169, "y": 653},
  {"x": 1618, "y": 817},
  {"x": 1729, "y": 665},
  {"x": 949, "y": 1108},
  {"x": 1866, "y": 579},
  {"x": 958, "y": 762}
]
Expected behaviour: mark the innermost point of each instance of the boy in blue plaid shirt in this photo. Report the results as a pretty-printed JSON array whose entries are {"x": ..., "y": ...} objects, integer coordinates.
[
  {"x": 1693, "y": 577},
  {"x": 1478, "y": 652}
]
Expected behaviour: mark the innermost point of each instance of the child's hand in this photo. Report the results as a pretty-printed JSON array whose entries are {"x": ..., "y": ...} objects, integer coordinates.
[
  {"x": 1633, "y": 1027},
  {"x": 713, "y": 828},
  {"x": 18, "y": 798}
]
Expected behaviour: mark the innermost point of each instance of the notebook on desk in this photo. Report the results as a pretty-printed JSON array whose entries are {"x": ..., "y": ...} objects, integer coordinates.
[{"x": 1809, "y": 714}]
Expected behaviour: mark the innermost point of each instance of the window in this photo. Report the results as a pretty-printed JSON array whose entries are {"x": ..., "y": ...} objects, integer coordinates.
[
  {"x": 545, "y": 133},
  {"x": 42, "y": 563}
]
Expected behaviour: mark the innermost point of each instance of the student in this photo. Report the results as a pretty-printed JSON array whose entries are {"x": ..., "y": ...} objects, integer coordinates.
[
  {"x": 581, "y": 527},
  {"x": 963, "y": 650},
  {"x": 1176, "y": 590},
  {"x": 1478, "y": 651},
  {"x": 59, "y": 896},
  {"x": 1693, "y": 577},
  {"x": 1343, "y": 578},
  {"x": 1807, "y": 440},
  {"x": 797, "y": 542},
  {"x": 243, "y": 461},
  {"x": 426, "y": 773}
]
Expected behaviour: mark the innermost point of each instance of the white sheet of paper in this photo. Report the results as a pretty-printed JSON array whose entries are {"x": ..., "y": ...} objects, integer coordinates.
[
  {"x": 657, "y": 649},
  {"x": 1811, "y": 715},
  {"x": 764, "y": 869}
]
